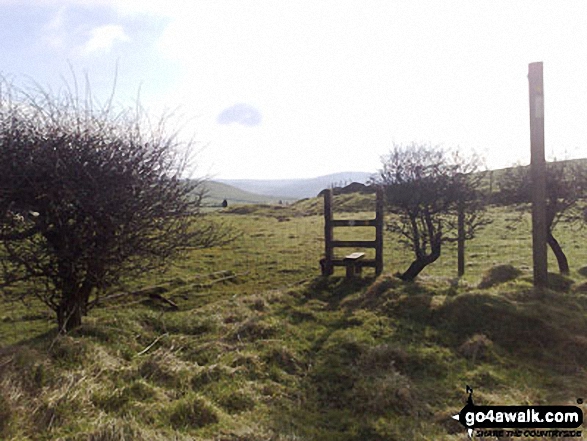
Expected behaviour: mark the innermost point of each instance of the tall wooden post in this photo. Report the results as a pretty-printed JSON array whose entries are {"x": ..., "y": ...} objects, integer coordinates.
[
  {"x": 327, "y": 268},
  {"x": 538, "y": 174},
  {"x": 461, "y": 238},
  {"x": 379, "y": 231}
]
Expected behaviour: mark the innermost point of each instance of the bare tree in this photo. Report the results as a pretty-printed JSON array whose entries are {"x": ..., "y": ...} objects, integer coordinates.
[
  {"x": 424, "y": 187},
  {"x": 566, "y": 185},
  {"x": 88, "y": 195}
]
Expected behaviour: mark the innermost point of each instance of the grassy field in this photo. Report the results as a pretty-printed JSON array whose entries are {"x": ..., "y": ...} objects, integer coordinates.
[{"x": 263, "y": 348}]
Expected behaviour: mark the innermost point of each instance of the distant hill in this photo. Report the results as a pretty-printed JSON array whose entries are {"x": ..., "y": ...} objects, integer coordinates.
[
  {"x": 262, "y": 191},
  {"x": 296, "y": 188},
  {"x": 217, "y": 192}
]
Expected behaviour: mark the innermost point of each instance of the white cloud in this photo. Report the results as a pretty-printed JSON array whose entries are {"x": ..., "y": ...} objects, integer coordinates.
[
  {"x": 54, "y": 34},
  {"x": 103, "y": 38},
  {"x": 63, "y": 33}
]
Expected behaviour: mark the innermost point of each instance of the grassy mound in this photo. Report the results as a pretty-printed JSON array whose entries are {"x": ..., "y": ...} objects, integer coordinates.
[
  {"x": 371, "y": 359},
  {"x": 499, "y": 274}
]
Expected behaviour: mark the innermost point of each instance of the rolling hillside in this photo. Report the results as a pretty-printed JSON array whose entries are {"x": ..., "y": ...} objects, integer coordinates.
[
  {"x": 218, "y": 191},
  {"x": 296, "y": 188}
]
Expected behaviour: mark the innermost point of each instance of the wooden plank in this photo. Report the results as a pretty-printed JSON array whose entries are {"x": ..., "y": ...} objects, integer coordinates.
[
  {"x": 354, "y": 243},
  {"x": 354, "y": 223},
  {"x": 354, "y": 256}
]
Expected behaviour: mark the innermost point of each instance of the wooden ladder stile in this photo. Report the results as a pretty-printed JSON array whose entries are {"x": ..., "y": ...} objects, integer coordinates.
[{"x": 353, "y": 262}]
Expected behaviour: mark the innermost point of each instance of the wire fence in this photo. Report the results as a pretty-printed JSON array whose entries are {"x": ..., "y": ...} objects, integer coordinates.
[{"x": 278, "y": 251}]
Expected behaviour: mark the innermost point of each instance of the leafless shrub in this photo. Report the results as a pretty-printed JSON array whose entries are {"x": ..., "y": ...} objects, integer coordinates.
[
  {"x": 89, "y": 194},
  {"x": 425, "y": 187}
]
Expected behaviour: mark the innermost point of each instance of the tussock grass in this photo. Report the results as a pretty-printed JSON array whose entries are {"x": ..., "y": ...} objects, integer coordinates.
[
  {"x": 211, "y": 374},
  {"x": 192, "y": 412},
  {"x": 236, "y": 401},
  {"x": 5, "y": 414},
  {"x": 114, "y": 431},
  {"x": 478, "y": 347}
]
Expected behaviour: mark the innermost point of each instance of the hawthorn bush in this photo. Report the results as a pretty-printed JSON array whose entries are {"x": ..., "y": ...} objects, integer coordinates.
[{"x": 88, "y": 194}]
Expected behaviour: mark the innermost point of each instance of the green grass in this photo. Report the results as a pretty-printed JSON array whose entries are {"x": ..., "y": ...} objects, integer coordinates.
[{"x": 263, "y": 348}]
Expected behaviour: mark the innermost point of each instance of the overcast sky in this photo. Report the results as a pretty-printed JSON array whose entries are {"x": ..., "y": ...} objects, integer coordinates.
[{"x": 284, "y": 89}]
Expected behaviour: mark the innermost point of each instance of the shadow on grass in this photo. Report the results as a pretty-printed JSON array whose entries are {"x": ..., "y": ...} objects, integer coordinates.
[
  {"x": 355, "y": 377},
  {"x": 508, "y": 331},
  {"x": 545, "y": 329},
  {"x": 334, "y": 289},
  {"x": 358, "y": 371}
]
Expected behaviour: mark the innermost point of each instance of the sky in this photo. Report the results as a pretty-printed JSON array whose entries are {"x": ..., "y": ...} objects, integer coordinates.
[{"x": 304, "y": 88}]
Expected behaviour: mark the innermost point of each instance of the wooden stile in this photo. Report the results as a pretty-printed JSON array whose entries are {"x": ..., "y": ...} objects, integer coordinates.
[{"x": 352, "y": 262}]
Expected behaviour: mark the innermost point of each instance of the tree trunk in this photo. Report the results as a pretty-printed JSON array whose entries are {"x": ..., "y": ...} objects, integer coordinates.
[
  {"x": 69, "y": 313},
  {"x": 561, "y": 258},
  {"x": 84, "y": 295},
  {"x": 420, "y": 263}
]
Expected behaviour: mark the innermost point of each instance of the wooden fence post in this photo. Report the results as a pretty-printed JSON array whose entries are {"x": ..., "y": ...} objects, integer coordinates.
[
  {"x": 538, "y": 172},
  {"x": 461, "y": 238},
  {"x": 379, "y": 231},
  {"x": 327, "y": 267}
]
